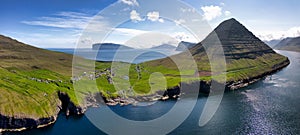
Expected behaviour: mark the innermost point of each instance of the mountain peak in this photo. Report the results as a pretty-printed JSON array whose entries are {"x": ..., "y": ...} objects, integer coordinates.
[
  {"x": 232, "y": 20},
  {"x": 237, "y": 41},
  {"x": 233, "y": 29}
]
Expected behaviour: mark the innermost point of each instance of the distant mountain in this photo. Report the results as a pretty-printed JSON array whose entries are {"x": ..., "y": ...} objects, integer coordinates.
[
  {"x": 164, "y": 46},
  {"x": 290, "y": 44},
  {"x": 110, "y": 46},
  {"x": 184, "y": 45},
  {"x": 273, "y": 42}
]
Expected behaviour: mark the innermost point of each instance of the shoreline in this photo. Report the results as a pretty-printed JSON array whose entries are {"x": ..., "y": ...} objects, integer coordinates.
[
  {"x": 71, "y": 109},
  {"x": 37, "y": 123}
]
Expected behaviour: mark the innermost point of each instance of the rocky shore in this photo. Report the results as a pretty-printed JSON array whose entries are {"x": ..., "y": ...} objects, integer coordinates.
[
  {"x": 19, "y": 124},
  {"x": 244, "y": 83}
]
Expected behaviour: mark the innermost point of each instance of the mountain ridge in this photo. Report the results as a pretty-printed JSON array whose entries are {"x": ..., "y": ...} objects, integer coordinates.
[{"x": 289, "y": 44}]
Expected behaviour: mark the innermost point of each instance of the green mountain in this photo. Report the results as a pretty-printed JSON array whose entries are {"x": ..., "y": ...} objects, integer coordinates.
[{"x": 290, "y": 44}]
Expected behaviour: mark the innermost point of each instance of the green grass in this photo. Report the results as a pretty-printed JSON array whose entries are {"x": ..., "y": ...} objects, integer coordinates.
[{"x": 22, "y": 96}]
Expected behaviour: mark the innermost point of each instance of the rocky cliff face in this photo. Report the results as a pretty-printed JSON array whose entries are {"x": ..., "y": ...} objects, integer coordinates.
[
  {"x": 19, "y": 123},
  {"x": 68, "y": 106}
]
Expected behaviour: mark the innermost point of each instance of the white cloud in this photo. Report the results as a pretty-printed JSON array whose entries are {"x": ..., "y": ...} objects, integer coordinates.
[
  {"x": 135, "y": 16},
  {"x": 196, "y": 20},
  {"x": 222, "y": 4},
  {"x": 154, "y": 16},
  {"x": 150, "y": 39},
  {"x": 129, "y": 32},
  {"x": 145, "y": 39},
  {"x": 179, "y": 22},
  {"x": 161, "y": 20},
  {"x": 130, "y": 2},
  {"x": 227, "y": 13},
  {"x": 43, "y": 40},
  {"x": 71, "y": 20},
  {"x": 125, "y": 9},
  {"x": 182, "y": 36},
  {"x": 188, "y": 10},
  {"x": 211, "y": 12},
  {"x": 64, "y": 28},
  {"x": 270, "y": 35}
]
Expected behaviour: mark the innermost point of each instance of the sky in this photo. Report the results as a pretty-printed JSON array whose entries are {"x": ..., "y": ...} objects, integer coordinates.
[{"x": 140, "y": 23}]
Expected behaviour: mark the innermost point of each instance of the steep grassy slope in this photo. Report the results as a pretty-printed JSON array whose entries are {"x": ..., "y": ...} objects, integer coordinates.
[
  {"x": 25, "y": 57},
  {"x": 289, "y": 44},
  {"x": 30, "y": 79}
]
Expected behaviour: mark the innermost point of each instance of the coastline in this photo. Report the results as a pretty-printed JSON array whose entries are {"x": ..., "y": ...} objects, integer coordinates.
[
  {"x": 29, "y": 123},
  {"x": 71, "y": 109}
]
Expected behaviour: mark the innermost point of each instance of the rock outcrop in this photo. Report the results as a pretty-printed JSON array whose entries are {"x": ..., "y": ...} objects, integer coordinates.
[{"x": 68, "y": 106}]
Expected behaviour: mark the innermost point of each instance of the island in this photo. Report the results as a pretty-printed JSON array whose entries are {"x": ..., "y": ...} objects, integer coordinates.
[
  {"x": 110, "y": 46},
  {"x": 37, "y": 84}
]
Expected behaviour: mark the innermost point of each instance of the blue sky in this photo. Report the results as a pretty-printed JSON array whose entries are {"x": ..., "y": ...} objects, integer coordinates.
[{"x": 61, "y": 24}]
